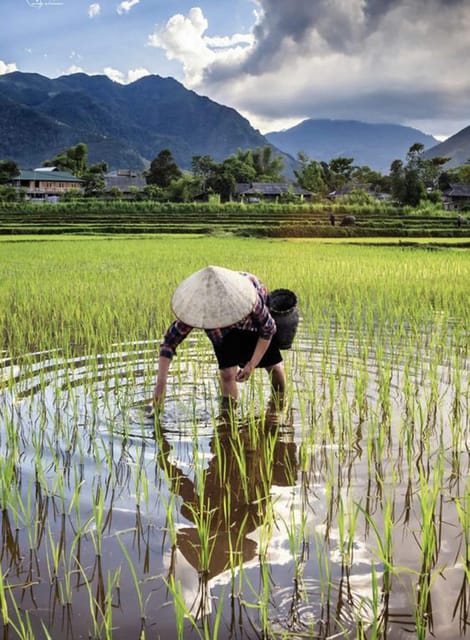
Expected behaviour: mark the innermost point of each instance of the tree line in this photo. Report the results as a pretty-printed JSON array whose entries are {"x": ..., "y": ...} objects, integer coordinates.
[{"x": 408, "y": 183}]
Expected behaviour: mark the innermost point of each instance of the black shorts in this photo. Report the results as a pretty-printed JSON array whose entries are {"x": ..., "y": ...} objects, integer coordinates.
[{"x": 238, "y": 346}]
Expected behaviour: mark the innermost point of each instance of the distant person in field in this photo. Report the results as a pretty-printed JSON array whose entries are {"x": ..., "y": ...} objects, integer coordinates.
[{"x": 232, "y": 308}]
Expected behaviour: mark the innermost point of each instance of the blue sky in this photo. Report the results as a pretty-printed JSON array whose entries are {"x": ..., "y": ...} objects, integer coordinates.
[{"x": 276, "y": 61}]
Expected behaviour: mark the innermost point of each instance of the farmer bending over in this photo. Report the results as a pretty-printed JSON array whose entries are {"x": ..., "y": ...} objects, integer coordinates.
[{"x": 232, "y": 308}]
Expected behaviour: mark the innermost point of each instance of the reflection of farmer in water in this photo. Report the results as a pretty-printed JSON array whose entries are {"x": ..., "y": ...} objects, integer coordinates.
[
  {"x": 227, "y": 502},
  {"x": 232, "y": 307}
]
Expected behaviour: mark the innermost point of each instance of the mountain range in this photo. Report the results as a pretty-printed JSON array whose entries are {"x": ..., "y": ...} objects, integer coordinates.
[
  {"x": 127, "y": 126},
  {"x": 373, "y": 145}
]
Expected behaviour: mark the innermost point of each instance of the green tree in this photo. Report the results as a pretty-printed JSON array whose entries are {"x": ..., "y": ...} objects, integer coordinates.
[
  {"x": 74, "y": 160},
  {"x": 9, "y": 193},
  {"x": 245, "y": 156},
  {"x": 311, "y": 175},
  {"x": 163, "y": 170},
  {"x": 183, "y": 189},
  {"x": 115, "y": 193},
  {"x": 154, "y": 192},
  {"x": 364, "y": 175},
  {"x": 414, "y": 188},
  {"x": 228, "y": 174},
  {"x": 202, "y": 167},
  {"x": 8, "y": 170},
  {"x": 418, "y": 179},
  {"x": 414, "y": 157},
  {"x": 267, "y": 166},
  {"x": 397, "y": 178},
  {"x": 340, "y": 171},
  {"x": 94, "y": 179},
  {"x": 408, "y": 187},
  {"x": 432, "y": 169},
  {"x": 459, "y": 174}
]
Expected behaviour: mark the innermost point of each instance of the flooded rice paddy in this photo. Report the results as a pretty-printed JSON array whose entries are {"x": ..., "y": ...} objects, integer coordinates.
[{"x": 344, "y": 514}]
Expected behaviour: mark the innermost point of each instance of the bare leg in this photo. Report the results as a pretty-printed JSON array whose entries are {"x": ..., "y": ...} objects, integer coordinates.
[
  {"x": 277, "y": 375},
  {"x": 228, "y": 383}
]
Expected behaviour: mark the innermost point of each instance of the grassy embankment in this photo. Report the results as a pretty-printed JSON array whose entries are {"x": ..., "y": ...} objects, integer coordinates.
[{"x": 271, "y": 220}]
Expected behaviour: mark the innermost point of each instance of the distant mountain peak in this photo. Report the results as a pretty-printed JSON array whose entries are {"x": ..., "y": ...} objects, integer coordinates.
[{"x": 457, "y": 148}]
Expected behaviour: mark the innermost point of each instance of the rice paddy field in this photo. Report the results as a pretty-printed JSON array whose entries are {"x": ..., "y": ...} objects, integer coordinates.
[{"x": 345, "y": 514}]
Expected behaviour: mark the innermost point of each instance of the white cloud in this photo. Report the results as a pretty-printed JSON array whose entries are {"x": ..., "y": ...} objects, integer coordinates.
[
  {"x": 371, "y": 60},
  {"x": 94, "y": 10},
  {"x": 114, "y": 74},
  {"x": 6, "y": 67},
  {"x": 183, "y": 39},
  {"x": 126, "y": 6},
  {"x": 135, "y": 74},
  {"x": 125, "y": 78},
  {"x": 74, "y": 69}
]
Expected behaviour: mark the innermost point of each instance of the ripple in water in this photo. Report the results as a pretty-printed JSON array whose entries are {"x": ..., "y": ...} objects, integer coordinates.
[{"x": 306, "y": 611}]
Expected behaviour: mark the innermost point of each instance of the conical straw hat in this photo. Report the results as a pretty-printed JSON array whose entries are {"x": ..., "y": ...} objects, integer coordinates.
[{"x": 213, "y": 298}]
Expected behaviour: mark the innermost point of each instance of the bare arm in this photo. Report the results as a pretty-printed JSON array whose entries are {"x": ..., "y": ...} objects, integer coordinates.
[
  {"x": 159, "y": 389},
  {"x": 175, "y": 334}
]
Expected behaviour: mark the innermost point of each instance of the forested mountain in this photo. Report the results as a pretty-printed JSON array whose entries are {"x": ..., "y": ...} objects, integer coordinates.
[
  {"x": 128, "y": 125},
  {"x": 374, "y": 145},
  {"x": 125, "y": 125},
  {"x": 457, "y": 148}
]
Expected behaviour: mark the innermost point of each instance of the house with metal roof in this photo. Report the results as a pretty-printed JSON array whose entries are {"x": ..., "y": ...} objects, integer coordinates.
[
  {"x": 126, "y": 180},
  {"x": 46, "y": 183},
  {"x": 456, "y": 197},
  {"x": 255, "y": 191}
]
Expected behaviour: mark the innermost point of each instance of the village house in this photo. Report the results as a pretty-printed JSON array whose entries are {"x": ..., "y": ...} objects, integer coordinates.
[
  {"x": 127, "y": 181},
  {"x": 271, "y": 191},
  {"x": 350, "y": 189},
  {"x": 46, "y": 183},
  {"x": 456, "y": 197}
]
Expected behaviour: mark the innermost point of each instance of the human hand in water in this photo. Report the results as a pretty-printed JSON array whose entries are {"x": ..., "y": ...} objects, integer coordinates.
[{"x": 156, "y": 404}]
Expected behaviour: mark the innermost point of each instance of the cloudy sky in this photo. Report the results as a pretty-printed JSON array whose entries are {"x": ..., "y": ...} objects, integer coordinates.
[{"x": 276, "y": 61}]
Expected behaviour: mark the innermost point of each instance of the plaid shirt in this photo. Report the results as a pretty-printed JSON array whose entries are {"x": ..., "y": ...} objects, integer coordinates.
[{"x": 259, "y": 320}]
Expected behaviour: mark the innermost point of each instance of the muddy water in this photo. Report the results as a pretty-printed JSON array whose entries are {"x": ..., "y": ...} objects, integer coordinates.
[{"x": 101, "y": 505}]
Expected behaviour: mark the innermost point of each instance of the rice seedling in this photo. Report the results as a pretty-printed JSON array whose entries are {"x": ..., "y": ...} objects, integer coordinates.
[{"x": 340, "y": 515}]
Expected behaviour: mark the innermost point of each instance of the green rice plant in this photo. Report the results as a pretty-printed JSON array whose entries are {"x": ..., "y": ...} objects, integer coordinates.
[
  {"x": 3, "y": 601},
  {"x": 384, "y": 544},
  {"x": 428, "y": 543},
  {"x": 347, "y": 524},
  {"x": 100, "y": 606},
  {"x": 141, "y": 482},
  {"x": 376, "y": 630},
  {"x": 181, "y": 610},
  {"x": 135, "y": 580},
  {"x": 462, "y": 505},
  {"x": 99, "y": 520},
  {"x": 378, "y": 386},
  {"x": 179, "y": 605}
]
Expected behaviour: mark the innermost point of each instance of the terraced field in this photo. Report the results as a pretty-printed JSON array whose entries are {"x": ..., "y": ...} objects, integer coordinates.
[{"x": 94, "y": 217}]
